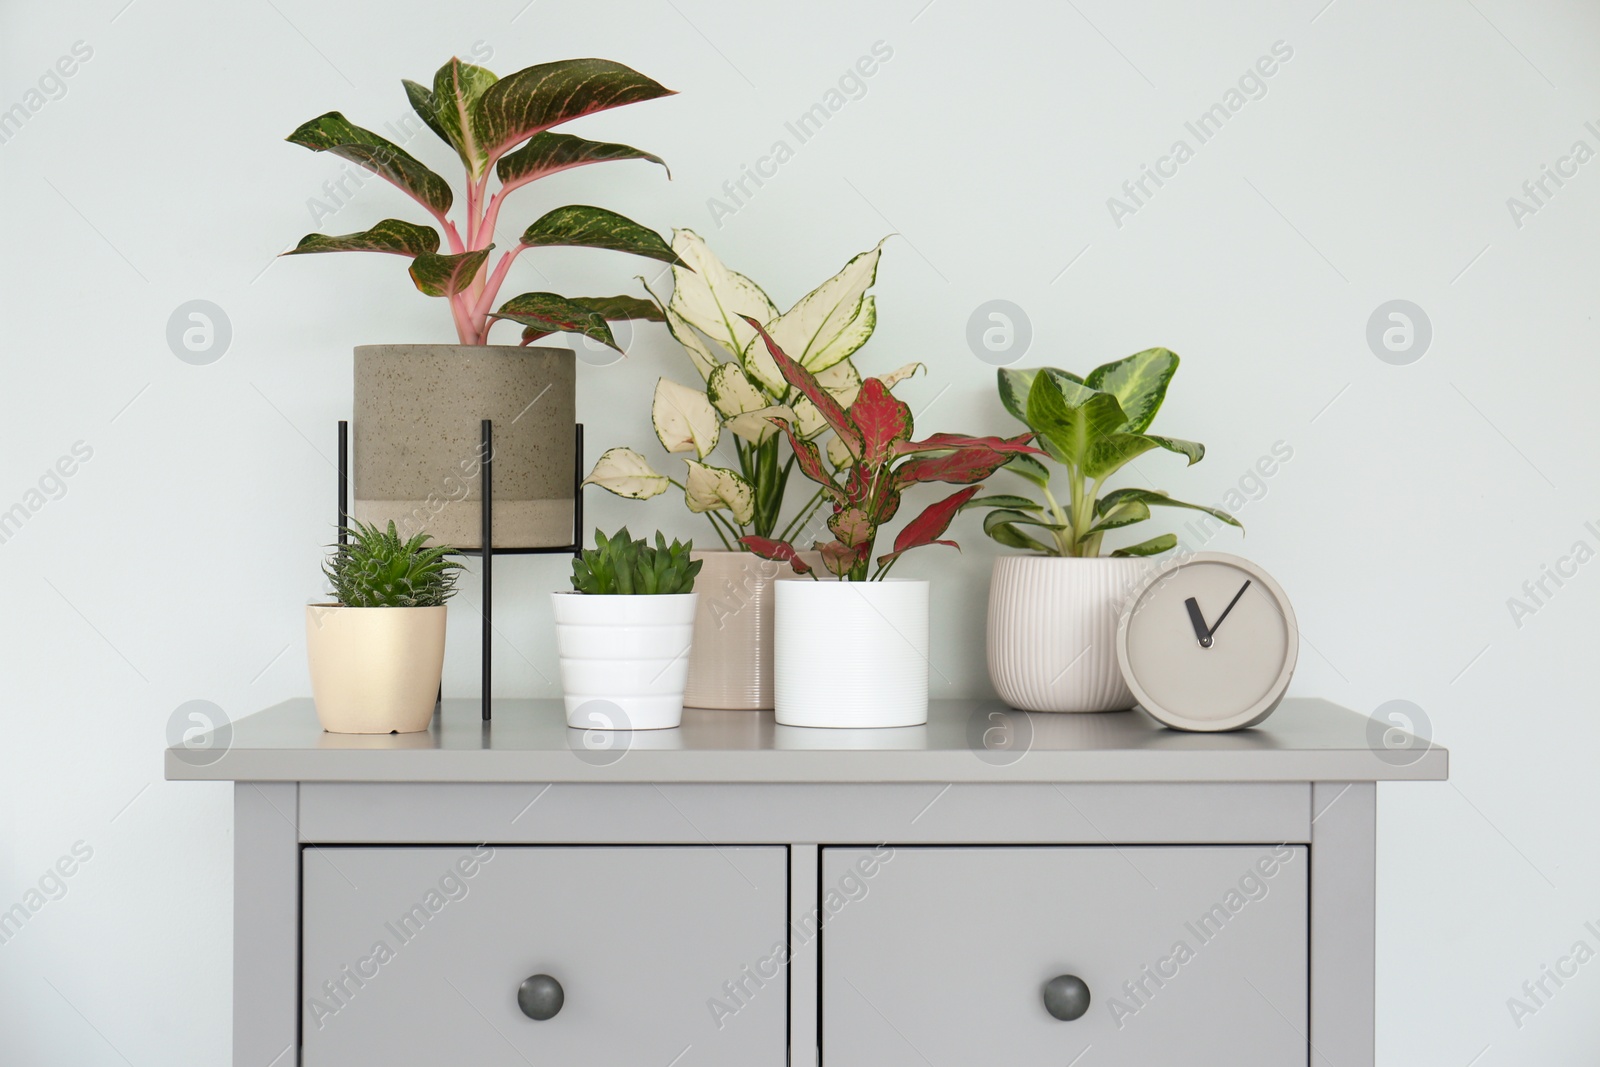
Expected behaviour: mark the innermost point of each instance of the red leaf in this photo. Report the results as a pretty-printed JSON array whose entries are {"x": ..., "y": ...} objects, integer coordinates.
[
  {"x": 810, "y": 459},
  {"x": 803, "y": 380},
  {"x": 926, "y": 528},
  {"x": 782, "y": 551},
  {"x": 958, "y": 468},
  {"x": 940, "y": 441},
  {"x": 884, "y": 422}
]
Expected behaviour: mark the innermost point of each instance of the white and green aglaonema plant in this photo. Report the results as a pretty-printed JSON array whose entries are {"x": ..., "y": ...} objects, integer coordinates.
[
  {"x": 1092, "y": 426},
  {"x": 742, "y": 391},
  {"x": 500, "y": 127}
]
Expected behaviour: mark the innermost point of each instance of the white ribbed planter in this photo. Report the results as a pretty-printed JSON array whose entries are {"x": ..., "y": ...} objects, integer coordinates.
[
  {"x": 731, "y": 664},
  {"x": 1053, "y": 631},
  {"x": 374, "y": 670},
  {"x": 624, "y": 659},
  {"x": 851, "y": 654}
]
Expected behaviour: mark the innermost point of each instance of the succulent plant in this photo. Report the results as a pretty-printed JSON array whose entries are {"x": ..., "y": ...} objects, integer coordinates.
[
  {"x": 374, "y": 568},
  {"x": 619, "y": 565}
]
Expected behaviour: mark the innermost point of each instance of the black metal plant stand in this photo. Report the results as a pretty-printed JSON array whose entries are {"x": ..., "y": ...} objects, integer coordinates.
[{"x": 488, "y": 551}]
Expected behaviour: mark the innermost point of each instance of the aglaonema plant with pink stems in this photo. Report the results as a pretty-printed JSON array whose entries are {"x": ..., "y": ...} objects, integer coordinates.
[
  {"x": 500, "y": 127},
  {"x": 877, "y": 459}
]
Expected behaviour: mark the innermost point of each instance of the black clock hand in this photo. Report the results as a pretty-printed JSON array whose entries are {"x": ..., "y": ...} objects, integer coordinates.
[
  {"x": 1218, "y": 624},
  {"x": 1202, "y": 633}
]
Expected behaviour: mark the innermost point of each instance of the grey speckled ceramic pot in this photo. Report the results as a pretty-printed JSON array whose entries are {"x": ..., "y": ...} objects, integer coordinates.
[{"x": 417, "y": 441}]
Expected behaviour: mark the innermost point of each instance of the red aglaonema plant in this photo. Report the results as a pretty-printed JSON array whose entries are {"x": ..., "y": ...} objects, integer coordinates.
[
  {"x": 500, "y": 126},
  {"x": 881, "y": 461}
]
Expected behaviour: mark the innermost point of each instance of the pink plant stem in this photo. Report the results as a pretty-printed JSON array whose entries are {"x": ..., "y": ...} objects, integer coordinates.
[{"x": 491, "y": 289}]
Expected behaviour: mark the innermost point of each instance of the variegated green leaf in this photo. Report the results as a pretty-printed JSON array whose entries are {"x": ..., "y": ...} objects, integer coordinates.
[
  {"x": 832, "y": 321},
  {"x": 742, "y": 403},
  {"x": 447, "y": 275},
  {"x": 610, "y": 309},
  {"x": 551, "y": 153},
  {"x": 1014, "y": 386},
  {"x": 1125, "y": 514},
  {"x": 715, "y": 488},
  {"x": 1149, "y": 548},
  {"x": 1008, "y": 535},
  {"x": 1013, "y": 517},
  {"x": 1119, "y": 498},
  {"x": 714, "y": 300},
  {"x": 550, "y": 313},
  {"x": 684, "y": 419},
  {"x": 582, "y": 226},
  {"x": 1139, "y": 383},
  {"x": 1003, "y": 500},
  {"x": 626, "y": 473},
  {"x": 537, "y": 98},
  {"x": 395, "y": 236},
  {"x": 335, "y": 133},
  {"x": 1070, "y": 419},
  {"x": 1029, "y": 467}
]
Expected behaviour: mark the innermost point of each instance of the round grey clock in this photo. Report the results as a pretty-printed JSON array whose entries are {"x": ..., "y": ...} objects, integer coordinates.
[{"x": 1208, "y": 642}]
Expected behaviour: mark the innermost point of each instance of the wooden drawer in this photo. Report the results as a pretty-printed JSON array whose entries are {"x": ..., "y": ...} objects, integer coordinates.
[
  {"x": 1193, "y": 955},
  {"x": 414, "y": 955}
]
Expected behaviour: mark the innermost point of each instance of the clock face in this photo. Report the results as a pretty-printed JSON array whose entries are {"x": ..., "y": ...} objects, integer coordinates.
[{"x": 1208, "y": 643}]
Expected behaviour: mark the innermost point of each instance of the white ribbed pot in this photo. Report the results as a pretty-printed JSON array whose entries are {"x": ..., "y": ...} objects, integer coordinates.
[
  {"x": 1053, "y": 631},
  {"x": 730, "y": 667},
  {"x": 624, "y": 659},
  {"x": 851, "y": 654},
  {"x": 374, "y": 670}
]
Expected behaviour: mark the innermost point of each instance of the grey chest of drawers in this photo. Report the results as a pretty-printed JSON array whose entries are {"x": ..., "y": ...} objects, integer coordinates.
[{"x": 993, "y": 887}]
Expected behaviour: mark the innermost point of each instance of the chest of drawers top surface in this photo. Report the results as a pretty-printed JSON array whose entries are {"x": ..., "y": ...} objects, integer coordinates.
[{"x": 1306, "y": 740}]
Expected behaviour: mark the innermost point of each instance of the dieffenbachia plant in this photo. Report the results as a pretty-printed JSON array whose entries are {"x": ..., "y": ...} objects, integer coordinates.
[
  {"x": 878, "y": 459},
  {"x": 1092, "y": 426},
  {"x": 744, "y": 389},
  {"x": 499, "y": 126}
]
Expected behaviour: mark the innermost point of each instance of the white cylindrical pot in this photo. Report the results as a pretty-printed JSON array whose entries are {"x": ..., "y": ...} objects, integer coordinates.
[
  {"x": 851, "y": 654},
  {"x": 624, "y": 659},
  {"x": 375, "y": 670},
  {"x": 1053, "y": 631},
  {"x": 731, "y": 664}
]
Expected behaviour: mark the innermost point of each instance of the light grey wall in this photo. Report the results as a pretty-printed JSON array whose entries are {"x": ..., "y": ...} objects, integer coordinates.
[{"x": 1376, "y": 166}]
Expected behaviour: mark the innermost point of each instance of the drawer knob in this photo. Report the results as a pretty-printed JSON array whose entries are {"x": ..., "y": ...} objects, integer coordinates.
[
  {"x": 1066, "y": 997},
  {"x": 540, "y": 997}
]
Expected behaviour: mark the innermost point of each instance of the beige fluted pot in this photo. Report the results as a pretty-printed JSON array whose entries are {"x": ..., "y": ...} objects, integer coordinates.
[{"x": 1053, "y": 631}]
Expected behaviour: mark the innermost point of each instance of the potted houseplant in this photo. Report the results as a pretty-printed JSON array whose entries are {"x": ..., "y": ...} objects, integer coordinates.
[
  {"x": 376, "y": 652},
  {"x": 623, "y": 633},
  {"x": 854, "y": 653},
  {"x": 1053, "y": 612},
  {"x": 740, "y": 388},
  {"x": 418, "y": 407}
]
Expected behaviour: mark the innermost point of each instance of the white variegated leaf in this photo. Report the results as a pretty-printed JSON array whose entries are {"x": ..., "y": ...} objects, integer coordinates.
[
  {"x": 684, "y": 419},
  {"x": 829, "y": 323},
  {"x": 842, "y": 381},
  {"x": 626, "y": 473},
  {"x": 900, "y": 374},
  {"x": 753, "y": 425},
  {"x": 808, "y": 418},
  {"x": 713, "y": 298},
  {"x": 839, "y": 455},
  {"x": 700, "y": 354},
  {"x": 732, "y": 392},
  {"x": 716, "y": 488}
]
